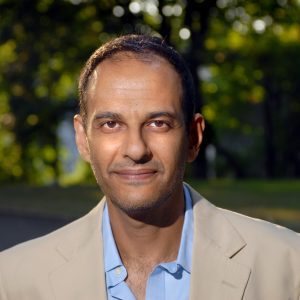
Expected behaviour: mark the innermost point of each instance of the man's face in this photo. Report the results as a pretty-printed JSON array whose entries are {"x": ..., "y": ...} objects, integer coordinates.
[{"x": 135, "y": 138}]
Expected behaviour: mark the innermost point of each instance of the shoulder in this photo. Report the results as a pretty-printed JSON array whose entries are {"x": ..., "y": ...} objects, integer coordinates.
[
  {"x": 35, "y": 250},
  {"x": 270, "y": 251},
  {"x": 252, "y": 230},
  {"x": 41, "y": 255},
  {"x": 263, "y": 234},
  {"x": 264, "y": 242},
  {"x": 66, "y": 233}
]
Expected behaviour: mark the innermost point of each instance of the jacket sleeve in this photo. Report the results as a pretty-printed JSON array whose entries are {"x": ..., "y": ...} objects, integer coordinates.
[
  {"x": 2, "y": 292},
  {"x": 297, "y": 293}
]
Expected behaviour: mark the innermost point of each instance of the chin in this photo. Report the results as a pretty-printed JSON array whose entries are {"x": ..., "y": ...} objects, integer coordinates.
[{"x": 133, "y": 204}]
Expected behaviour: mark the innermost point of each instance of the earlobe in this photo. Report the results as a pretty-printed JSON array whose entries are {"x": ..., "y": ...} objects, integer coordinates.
[
  {"x": 195, "y": 136},
  {"x": 81, "y": 138}
]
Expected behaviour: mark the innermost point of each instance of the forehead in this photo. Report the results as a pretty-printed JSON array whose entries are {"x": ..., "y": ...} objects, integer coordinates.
[
  {"x": 134, "y": 76},
  {"x": 132, "y": 63}
]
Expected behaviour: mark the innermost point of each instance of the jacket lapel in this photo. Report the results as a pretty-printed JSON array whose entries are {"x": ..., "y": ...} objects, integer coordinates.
[
  {"x": 81, "y": 276},
  {"x": 215, "y": 273}
]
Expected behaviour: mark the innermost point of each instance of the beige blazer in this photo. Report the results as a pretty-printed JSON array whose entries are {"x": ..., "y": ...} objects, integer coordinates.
[{"x": 234, "y": 257}]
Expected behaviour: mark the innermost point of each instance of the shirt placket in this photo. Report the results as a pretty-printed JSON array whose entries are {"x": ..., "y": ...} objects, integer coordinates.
[
  {"x": 119, "y": 290},
  {"x": 156, "y": 285}
]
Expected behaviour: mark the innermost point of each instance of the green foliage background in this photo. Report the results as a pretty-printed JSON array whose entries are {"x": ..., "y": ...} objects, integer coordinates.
[{"x": 244, "y": 56}]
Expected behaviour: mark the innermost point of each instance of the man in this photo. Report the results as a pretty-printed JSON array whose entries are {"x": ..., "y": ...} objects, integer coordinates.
[{"x": 151, "y": 237}]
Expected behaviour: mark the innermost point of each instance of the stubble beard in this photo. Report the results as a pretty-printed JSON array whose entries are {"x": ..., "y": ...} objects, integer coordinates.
[{"x": 141, "y": 210}]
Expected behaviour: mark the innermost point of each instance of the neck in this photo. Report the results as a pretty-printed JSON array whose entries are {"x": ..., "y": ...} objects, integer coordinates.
[{"x": 156, "y": 241}]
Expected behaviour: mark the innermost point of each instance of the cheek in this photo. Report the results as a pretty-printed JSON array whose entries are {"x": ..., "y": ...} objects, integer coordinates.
[
  {"x": 103, "y": 151},
  {"x": 172, "y": 150}
]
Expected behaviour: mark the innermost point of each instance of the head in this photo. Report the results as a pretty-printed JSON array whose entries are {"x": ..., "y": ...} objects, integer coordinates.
[
  {"x": 135, "y": 109},
  {"x": 141, "y": 46}
]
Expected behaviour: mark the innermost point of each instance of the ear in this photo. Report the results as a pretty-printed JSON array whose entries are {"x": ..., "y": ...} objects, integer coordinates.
[
  {"x": 195, "y": 136},
  {"x": 81, "y": 138}
]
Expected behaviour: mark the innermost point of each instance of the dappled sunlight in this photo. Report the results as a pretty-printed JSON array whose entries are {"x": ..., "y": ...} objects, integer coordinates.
[{"x": 244, "y": 57}]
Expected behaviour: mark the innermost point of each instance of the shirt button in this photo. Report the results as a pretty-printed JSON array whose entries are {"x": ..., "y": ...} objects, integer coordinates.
[{"x": 118, "y": 271}]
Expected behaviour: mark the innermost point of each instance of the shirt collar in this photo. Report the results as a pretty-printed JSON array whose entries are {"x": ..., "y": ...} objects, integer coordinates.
[
  {"x": 112, "y": 258},
  {"x": 113, "y": 266},
  {"x": 184, "y": 257}
]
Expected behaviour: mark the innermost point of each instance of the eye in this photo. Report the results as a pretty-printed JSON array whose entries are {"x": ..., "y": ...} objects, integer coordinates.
[
  {"x": 110, "y": 124},
  {"x": 159, "y": 124}
]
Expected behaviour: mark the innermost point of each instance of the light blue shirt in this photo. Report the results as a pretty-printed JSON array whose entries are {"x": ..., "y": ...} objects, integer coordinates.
[{"x": 169, "y": 280}]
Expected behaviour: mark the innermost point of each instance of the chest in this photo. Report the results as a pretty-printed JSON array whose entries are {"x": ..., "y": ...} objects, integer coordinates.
[
  {"x": 148, "y": 282},
  {"x": 137, "y": 276}
]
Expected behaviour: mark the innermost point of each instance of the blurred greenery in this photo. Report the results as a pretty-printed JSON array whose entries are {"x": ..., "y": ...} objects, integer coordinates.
[
  {"x": 276, "y": 201},
  {"x": 244, "y": 56}
]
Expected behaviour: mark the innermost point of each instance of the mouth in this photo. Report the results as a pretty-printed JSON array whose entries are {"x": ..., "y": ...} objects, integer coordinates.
[{"x": 136, "y": 175}]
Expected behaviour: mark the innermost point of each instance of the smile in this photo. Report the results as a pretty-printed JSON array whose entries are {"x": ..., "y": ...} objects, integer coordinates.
[{"x": 136, "y": 175}]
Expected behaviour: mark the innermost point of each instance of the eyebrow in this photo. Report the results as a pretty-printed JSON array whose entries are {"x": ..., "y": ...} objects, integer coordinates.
[
  {"x": 107, "y": 115},
  {"x": 157, "y": 114},
  {"x": 149, "y": 116},
  {"x": 152, "y": 115}
]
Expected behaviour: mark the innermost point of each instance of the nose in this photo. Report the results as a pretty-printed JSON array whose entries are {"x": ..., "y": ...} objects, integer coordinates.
[{"x": 136, "y": 147}]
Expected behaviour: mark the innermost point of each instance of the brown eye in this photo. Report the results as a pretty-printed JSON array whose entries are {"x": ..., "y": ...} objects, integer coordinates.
[
  {"x": 110, "y": 124},
  {"x": 159, "y": 123}
]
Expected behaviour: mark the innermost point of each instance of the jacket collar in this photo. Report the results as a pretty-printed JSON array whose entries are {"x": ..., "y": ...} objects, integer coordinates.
[
  {"x": 215, "y": 273},
  {"x": 81, "y": 275}
]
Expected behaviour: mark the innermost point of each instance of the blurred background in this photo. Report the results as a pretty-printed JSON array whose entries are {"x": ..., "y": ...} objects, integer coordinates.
[{"x": 244, "y": 56}]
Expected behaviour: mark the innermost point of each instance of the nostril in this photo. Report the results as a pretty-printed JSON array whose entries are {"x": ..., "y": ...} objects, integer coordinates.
[
  {"x": 144, "y": 159},
  {"x": 135, "y": 148}
]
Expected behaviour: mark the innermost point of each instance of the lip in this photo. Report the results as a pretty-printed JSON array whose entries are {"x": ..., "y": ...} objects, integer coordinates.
[{"x": 136, "y": 174}]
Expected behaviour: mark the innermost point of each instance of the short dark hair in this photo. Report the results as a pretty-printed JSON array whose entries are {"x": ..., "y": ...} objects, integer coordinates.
[{"x": 140, "y": 45}]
